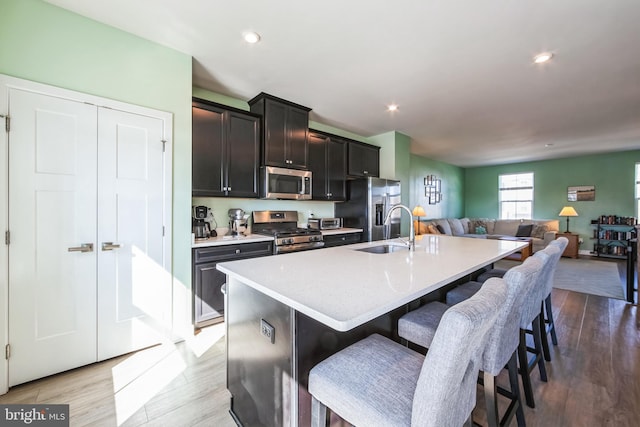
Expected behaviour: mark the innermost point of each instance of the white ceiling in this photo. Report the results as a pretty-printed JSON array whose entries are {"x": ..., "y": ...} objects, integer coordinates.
[{"x": 461, "y": 72}]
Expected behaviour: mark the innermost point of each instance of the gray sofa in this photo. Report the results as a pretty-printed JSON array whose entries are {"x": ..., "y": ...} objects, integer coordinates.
[{"x": 541, "y": 231}]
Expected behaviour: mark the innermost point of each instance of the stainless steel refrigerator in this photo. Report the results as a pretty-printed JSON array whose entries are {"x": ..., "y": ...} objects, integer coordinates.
[{"x": 369, "y": 200}]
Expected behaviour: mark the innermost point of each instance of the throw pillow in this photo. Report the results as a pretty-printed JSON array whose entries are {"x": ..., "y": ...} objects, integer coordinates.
[
  {"x": 432, "y": 229},
  {"x": 524, "y": 230},
  {"x": 421, "y": 227},
  {"x": 457, "y": 228},
  {"x": 481, "y": 229},
  {"x": 474, "y": 224},
  {"x": 440, "y": 229},
  {"x": 539, "y": 230}
]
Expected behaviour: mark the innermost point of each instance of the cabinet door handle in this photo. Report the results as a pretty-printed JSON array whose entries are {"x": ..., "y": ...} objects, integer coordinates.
[
  {"x": 84, "y": 247},
  {"x": 237, "y": 251},
  {"x": 366, "y": 172},
  {"x": 228, "y": 188},
  {"x": 109, "y": 246}
]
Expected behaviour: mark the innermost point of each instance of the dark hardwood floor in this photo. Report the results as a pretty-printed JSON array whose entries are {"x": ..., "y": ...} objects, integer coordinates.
[
  {"x": 594, "y": 374},
  {"x": 594, "y": 377}
]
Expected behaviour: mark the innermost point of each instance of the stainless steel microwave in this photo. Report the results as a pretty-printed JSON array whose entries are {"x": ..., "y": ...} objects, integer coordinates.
[{"x": 282, "y": 183}]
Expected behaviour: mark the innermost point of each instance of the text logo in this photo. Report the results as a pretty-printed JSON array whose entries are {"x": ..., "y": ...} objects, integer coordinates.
[{"x": 34, "y": 415}]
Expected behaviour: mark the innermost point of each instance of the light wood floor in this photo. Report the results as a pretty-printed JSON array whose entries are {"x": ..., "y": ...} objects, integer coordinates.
[
  {"x": 168, "y": 385},
  {"x": 594, "y": 377}
]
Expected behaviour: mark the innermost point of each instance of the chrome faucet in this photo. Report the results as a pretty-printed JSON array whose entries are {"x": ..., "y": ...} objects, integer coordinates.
[{"x": 412, "y": 233}]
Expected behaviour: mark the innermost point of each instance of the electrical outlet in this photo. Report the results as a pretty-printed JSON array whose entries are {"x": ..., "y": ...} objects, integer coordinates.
[
  {"x": 580, "y": 240},
  {"x": 267, "y": 331}
]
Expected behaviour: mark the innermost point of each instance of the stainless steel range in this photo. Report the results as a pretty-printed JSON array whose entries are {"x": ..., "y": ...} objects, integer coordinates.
[{"x": 283, "y": 226}]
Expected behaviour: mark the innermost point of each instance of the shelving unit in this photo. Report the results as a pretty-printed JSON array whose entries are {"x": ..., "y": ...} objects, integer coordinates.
[{"x": 612, "y": 236}]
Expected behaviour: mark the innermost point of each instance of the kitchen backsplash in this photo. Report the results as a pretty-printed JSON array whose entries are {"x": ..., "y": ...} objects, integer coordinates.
[{"x": 220, "y": 205}]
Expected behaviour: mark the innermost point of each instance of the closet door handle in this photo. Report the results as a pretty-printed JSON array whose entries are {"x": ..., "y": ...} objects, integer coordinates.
[
  {"x": 84, "y": 247},
  {"x": 109, "y": 246}
]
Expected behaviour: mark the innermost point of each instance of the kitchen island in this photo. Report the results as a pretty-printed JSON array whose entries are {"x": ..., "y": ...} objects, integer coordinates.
[{"x": 288, "y": 312}]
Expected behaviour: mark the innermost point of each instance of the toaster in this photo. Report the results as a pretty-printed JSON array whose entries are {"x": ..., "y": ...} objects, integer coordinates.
[{"x": 325, "y": 223}]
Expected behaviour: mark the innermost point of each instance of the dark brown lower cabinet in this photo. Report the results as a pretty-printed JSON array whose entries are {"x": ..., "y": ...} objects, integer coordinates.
[
  {"x": 208, "y": 300},
  {"x": 341, "y": 239}
]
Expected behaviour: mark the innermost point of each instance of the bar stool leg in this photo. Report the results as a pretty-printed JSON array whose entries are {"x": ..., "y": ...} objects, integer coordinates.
[
  {"x": 318, "y": 413},
  {"x": 537, "y": 339},
  {"x": 552, "y": 325},
  {"x": 512, "y": 366},
  {"x": 523, "y": 362},
  {"x": 543, "y": 336},
  {"x": 491, "y": 399}
]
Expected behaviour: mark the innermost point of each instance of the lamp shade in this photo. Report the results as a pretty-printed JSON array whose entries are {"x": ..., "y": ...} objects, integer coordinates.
[
  {"x": 419, "y": 211},
  {"x": 568, "y": 211}
]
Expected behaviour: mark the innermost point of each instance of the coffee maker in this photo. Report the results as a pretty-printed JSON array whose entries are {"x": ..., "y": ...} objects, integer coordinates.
[
  {"x": 237, "y": 222},
  {"x": 201, "y": 226}
]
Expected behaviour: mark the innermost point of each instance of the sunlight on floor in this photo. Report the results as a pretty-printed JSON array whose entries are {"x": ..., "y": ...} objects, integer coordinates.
[
  {"x": 145, "y": 373},
  {"x": 207, "y": 337}
]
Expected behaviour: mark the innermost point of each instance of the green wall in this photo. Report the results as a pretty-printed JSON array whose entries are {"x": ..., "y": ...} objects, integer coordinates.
[
  {"x": 47, "y": 44},
  {"x": 387, "y": 144},
  {"x": 612, "y": 174},
  {"x": 452, "y": 177}
]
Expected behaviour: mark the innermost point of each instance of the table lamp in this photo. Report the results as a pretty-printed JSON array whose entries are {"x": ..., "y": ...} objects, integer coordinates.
[
  {"x": 417, "y": 212},
  {"x": 568, "y": 211}
]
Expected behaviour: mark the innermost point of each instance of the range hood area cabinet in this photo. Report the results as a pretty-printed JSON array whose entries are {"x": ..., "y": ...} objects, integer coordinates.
[
  {"x": 226, "y": 151},
  {"x": 285, "y": 131},
  {"x": 328, "y": 163},
  {"x": 364, "y": 160}
]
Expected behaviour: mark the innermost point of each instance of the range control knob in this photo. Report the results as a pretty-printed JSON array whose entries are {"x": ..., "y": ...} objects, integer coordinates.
[{"x": 287, "y": 241}]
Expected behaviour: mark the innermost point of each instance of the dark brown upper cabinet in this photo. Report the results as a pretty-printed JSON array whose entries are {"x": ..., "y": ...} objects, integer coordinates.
[
  {"x": 363, "y": 160},
  {"x": 225, "y": 151},
  {"x": 328, "y": 163},
  {"x": 285, "y": 131}
]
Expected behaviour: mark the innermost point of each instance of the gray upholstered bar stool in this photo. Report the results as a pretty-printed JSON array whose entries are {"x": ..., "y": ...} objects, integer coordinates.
[
  {"x": 546, "y": 311},
  {"x": 418, "y": 326},
  {"x": 530, "y": 318},
  {"x": 377, "y": 382}
]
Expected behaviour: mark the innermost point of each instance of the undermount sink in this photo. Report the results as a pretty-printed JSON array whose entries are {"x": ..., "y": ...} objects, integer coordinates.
[{"x": 383, "y": 249}]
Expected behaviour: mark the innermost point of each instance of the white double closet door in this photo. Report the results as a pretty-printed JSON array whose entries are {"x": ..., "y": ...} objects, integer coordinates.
[{"x": 87, "y": 254}]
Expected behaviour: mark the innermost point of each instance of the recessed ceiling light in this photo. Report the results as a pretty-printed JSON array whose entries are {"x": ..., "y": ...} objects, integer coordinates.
[
  {"x": 548, "y": 145},
  {"x": 251, "y": 37},
  {"x": 542, "y": 57},
  {"x": 392, "y": 107}
]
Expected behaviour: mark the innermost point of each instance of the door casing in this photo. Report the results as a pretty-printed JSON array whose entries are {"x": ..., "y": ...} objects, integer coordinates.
[{"x": 7, "y": 82}]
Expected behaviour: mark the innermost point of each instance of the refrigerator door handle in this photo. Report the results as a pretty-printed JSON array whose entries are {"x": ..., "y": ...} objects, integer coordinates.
[{"x": 386, "y": 228}]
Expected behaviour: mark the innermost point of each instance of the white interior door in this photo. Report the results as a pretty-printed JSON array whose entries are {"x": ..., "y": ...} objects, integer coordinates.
[
  {"x": 134, "y": 288},
  {"x": 52, "y": 208}
]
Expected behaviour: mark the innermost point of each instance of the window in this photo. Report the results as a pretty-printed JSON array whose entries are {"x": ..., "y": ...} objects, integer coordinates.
[{"x": 516, "y": 195}]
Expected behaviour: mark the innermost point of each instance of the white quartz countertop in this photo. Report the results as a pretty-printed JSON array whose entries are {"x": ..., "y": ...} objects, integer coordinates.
[
  {"x": 341, "y": 231},
  {"x": 229, "y": 240},
  {"x": 344, "y": 288}
]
